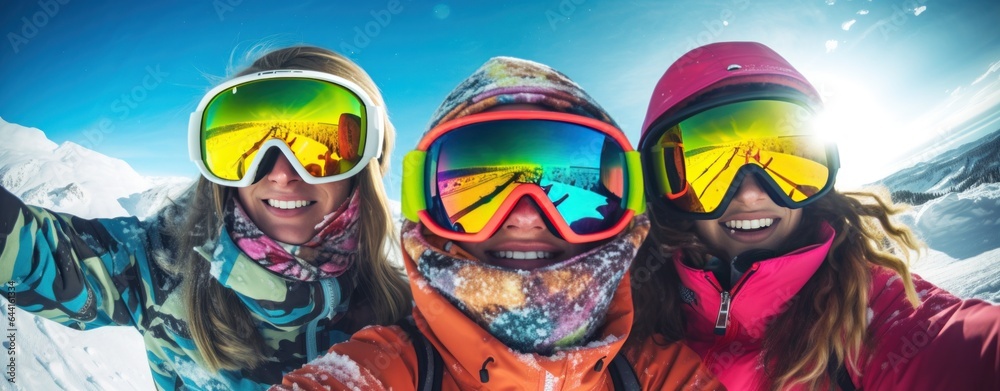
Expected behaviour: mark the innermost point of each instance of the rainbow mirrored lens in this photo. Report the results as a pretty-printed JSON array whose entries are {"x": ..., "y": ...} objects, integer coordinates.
[
  {"x": 472, "y": 169},
  {"x": 694, "y": 162},
  {"x": 323, "y": 124}
]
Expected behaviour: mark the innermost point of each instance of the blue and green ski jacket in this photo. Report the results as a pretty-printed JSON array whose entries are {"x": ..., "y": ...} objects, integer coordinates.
[{"x": 100, "y": 272}]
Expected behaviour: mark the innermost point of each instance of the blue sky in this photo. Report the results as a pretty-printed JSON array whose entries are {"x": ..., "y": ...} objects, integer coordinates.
[{"x": 122, "y": 77}]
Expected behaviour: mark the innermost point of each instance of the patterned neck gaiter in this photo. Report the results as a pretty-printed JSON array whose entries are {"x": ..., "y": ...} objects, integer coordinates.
[
  {"x": 330, "y": 253},
  {"x": 532, "y": 311}
]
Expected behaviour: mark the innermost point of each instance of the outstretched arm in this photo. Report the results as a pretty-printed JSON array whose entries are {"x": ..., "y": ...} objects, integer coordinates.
[
  {"x": 81, "y": 273},
  {"x": 945, "y": 343}
]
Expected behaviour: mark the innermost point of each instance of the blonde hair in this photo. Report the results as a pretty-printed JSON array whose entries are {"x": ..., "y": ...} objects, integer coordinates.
[
  {"x": 824, "y": 325},
  {"x": 220, "y": 325}
]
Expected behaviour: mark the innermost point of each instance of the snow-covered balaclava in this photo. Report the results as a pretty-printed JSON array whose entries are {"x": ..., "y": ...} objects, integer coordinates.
[{"x": 539, "y": 310}]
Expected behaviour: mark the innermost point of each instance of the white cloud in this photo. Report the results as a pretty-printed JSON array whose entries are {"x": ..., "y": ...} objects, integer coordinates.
[
  {"x": 992, "y": 69},
  {"x": 847, "y": 25},
  {"x": 831, "y": 45},
  {"x": 863, "y": 12},
  {"x": 919, "y": 10},
  {"x": 956, "y": 92}
]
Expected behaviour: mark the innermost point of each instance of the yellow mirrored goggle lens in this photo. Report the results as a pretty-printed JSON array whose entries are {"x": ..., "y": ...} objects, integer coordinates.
[
  {"x": 323, "y": 124},
  {"x": 696, "y": 161}
]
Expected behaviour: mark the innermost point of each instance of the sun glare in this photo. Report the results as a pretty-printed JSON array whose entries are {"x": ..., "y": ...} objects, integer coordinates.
[{"x": 865, "y": 133}]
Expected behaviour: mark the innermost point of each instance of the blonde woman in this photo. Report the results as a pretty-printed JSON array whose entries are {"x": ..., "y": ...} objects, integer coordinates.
[
  {"x": 277, "y": 252},
  {"x": 776, "y": 279}
]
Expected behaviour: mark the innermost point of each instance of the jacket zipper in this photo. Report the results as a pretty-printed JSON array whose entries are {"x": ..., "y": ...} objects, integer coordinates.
[
  {"x": 722, "y": 322},
  {"x": 331, "y": 291}
]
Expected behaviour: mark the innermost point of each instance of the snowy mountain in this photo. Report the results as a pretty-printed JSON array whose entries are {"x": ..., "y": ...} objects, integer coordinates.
[
  {"x": 70, "y": 178},
  {"x": 960, "y": 190},
  {"x": 148, "y": 202},
  {"x": 959, "y": 227},
  {"x": 957, "y": 170}
]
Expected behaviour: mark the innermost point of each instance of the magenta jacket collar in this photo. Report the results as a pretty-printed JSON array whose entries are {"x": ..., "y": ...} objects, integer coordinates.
[{"x": 762, "y": 293}]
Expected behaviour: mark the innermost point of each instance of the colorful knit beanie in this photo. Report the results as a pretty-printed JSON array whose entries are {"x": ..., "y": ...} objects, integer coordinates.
[{"x": 508, "y": 80}]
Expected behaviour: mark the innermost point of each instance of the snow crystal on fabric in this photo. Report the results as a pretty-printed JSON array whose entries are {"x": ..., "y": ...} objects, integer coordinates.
[
  {"x": 344, "y": 369},
  {"x": 550, "y": 382},
  {"x": 198, "y": 375}
]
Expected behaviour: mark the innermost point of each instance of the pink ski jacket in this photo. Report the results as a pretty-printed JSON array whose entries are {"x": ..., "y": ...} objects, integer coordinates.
[{"x": 947, "y": 343}]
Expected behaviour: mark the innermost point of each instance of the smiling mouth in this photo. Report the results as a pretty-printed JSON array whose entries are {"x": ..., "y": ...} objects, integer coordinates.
[
  {"x": 523, "y": 254},
  {"x": 289, "y": 204},
  {"x": 748, "y": 225}
]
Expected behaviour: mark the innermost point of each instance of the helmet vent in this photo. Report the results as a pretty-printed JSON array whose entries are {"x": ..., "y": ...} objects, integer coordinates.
[{"x": 733, "y": 67}]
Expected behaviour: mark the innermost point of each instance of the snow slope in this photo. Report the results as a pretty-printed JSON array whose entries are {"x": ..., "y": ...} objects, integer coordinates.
[
  {"x": 962, "y": 231},
  {"x": 961, "y": 225},
  {"x": 52, "y": 357},
  {"x": 960, "y": 228},
  {"x": 970, "y": 277}
]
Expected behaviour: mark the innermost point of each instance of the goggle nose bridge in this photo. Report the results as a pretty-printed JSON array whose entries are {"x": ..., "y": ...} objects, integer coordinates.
[
  {"x": 266, "y": 156},
  {"x": 533, "y": 192},
  {"x": 764, "y": 180}
]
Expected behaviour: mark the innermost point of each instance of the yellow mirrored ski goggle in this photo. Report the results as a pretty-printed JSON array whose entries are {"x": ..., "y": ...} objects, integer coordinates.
[{"x": 327, "y": 127}]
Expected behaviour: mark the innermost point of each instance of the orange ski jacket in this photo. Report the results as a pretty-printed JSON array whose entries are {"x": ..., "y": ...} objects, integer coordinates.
[{"x": 381, "y": 357}]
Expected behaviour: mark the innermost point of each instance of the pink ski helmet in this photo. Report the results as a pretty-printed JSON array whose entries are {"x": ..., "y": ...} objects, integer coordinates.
[{"x": 707, "y": 69}]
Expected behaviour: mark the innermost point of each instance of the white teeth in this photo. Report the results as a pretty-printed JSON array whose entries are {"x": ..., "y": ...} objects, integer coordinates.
[
  {"x": 749, "y": 224},
  {"x": 287, "y": 204},
  {"x": 522, "y": 254}
]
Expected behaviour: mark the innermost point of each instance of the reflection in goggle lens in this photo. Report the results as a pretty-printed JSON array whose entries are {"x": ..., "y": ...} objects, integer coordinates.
[
  {"x": 475, "y": 168},
  {"x": 323, "y": 124},
  {"x": 696, "y": 161}
]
